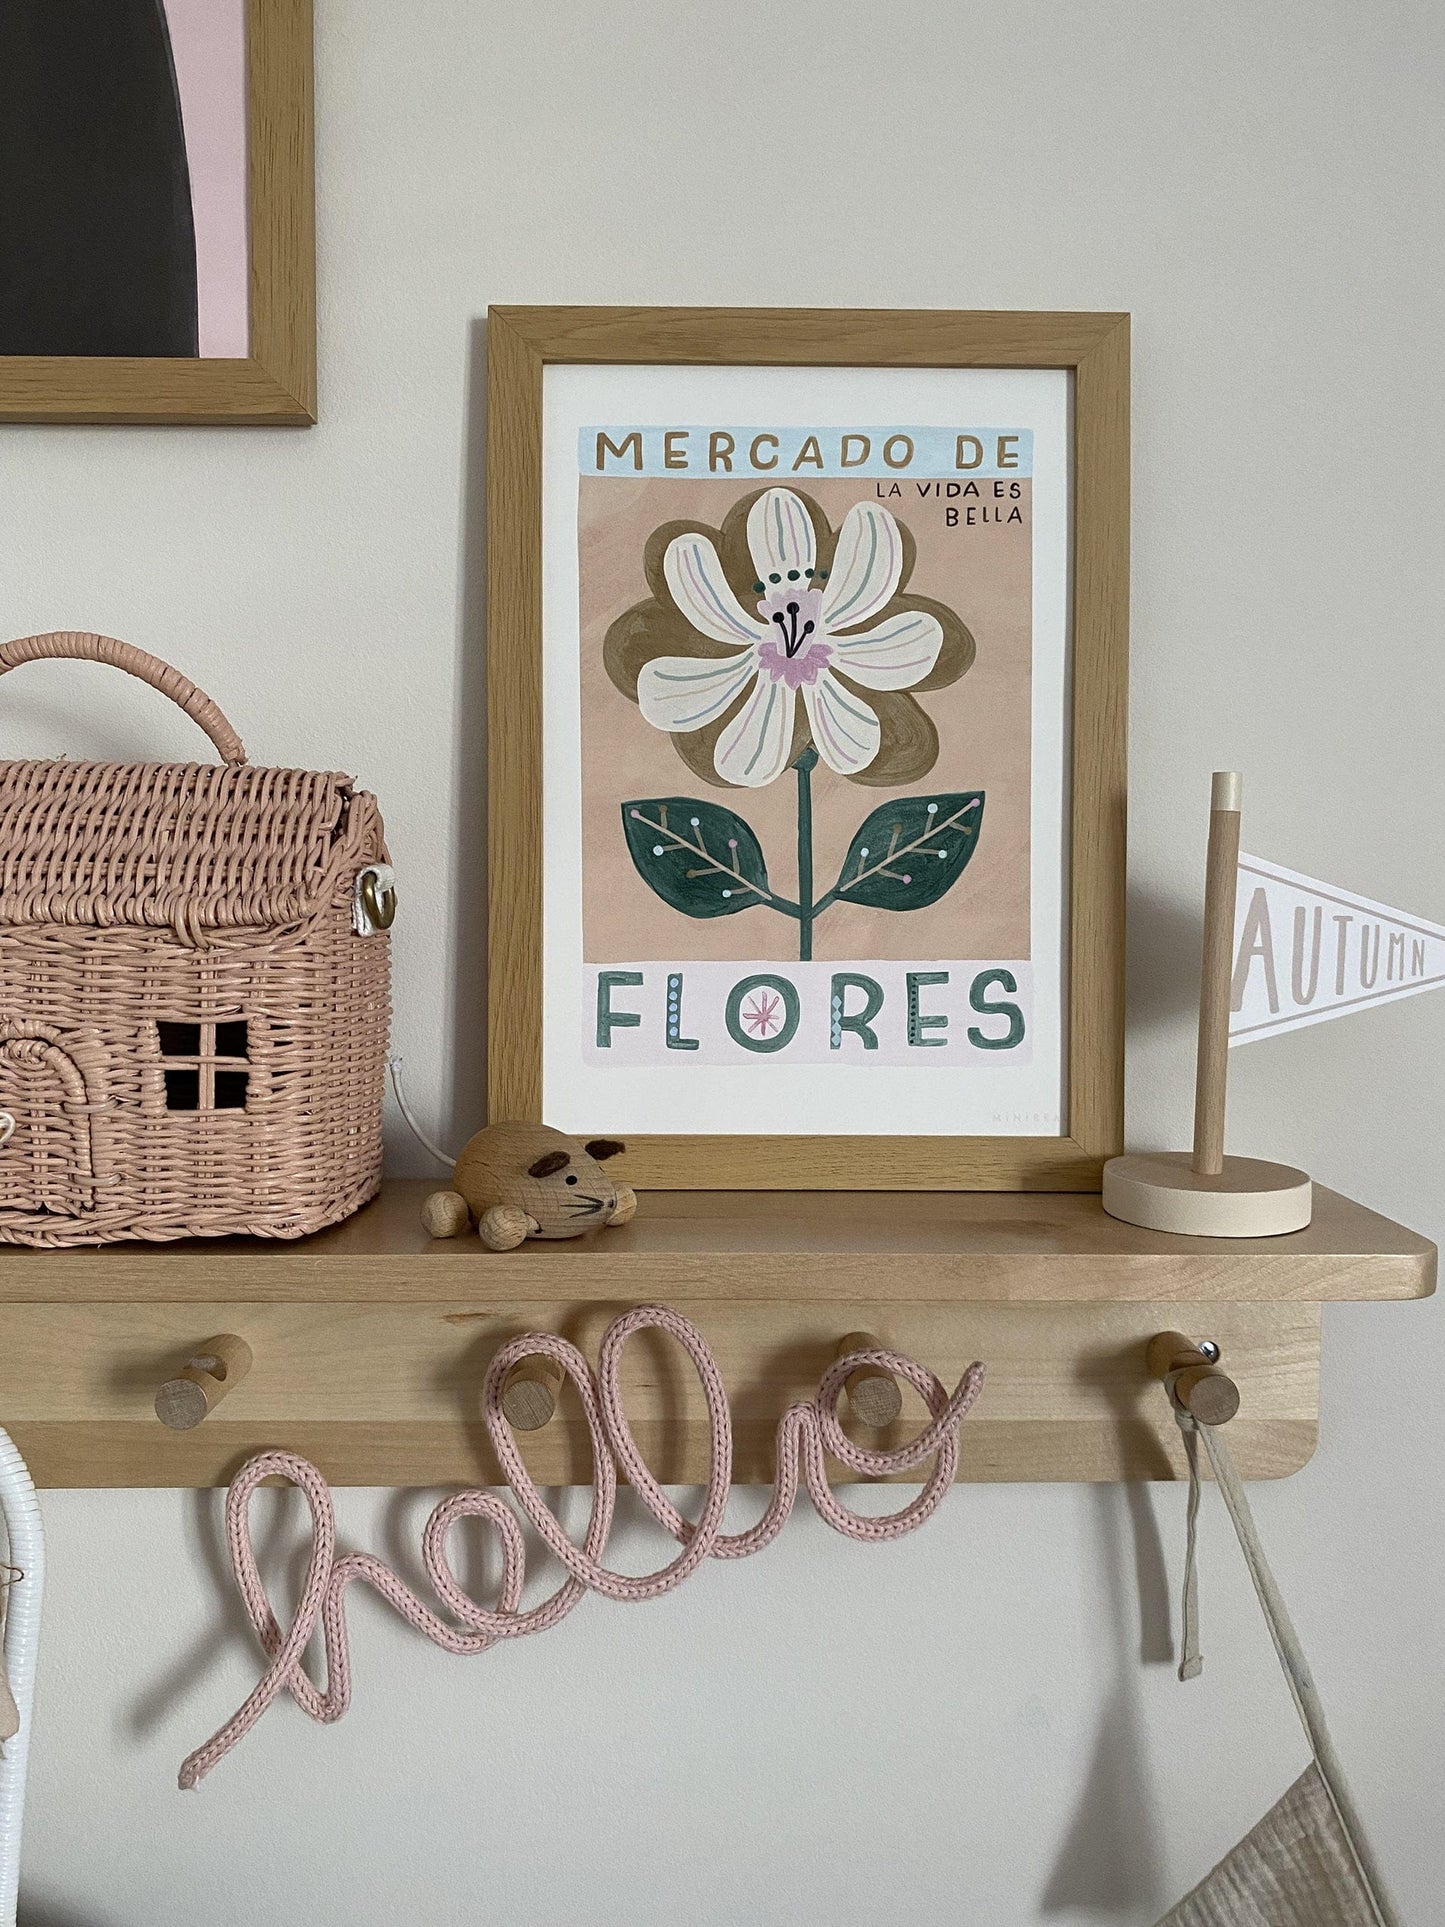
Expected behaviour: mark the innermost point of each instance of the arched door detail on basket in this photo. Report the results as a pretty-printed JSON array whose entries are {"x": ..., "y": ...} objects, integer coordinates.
[{"x": 48, "y": 1086}]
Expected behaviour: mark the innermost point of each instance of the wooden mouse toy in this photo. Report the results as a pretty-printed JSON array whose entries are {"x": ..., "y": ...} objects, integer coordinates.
[{"x": 516, "y": 1181}]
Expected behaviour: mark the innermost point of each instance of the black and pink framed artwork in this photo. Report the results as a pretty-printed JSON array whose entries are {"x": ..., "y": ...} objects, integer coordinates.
[{"x": 156, "y": 228}]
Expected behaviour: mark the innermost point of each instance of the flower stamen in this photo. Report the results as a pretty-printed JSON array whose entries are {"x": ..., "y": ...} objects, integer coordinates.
[{"x": 787, "y": 621}]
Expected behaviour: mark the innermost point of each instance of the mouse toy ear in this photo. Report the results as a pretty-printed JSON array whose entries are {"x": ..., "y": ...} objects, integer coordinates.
[
  {"x": 602, "y": 1148},
  {"x": 546, "y": 1165}
]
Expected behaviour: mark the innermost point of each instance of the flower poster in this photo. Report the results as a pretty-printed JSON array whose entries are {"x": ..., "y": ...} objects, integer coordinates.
[{"x": 805, "y": 654}]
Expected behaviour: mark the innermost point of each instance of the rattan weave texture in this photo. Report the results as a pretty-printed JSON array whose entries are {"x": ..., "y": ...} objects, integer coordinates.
[{"x": 192, "y": 1034}]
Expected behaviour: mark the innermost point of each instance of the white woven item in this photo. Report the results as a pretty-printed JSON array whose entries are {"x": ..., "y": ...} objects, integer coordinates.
[{"x": 26, "y": 1542}]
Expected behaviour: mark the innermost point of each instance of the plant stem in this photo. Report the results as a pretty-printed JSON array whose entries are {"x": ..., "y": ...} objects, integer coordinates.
[{"x": 805, "y": 766}]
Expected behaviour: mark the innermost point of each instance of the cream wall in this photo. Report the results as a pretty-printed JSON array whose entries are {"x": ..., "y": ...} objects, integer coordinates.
[{"x": 981, "y": 1724}]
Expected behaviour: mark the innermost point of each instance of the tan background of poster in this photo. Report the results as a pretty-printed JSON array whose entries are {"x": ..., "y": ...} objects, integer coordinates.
[{"x": 983, "y": 722}]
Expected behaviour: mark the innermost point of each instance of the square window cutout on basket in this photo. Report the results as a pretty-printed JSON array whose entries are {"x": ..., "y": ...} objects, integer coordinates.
[{"x": 206, "y": 1065}]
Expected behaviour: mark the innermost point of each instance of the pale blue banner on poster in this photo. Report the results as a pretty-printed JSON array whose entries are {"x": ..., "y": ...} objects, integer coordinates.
[{"x": 967, "y": 453}]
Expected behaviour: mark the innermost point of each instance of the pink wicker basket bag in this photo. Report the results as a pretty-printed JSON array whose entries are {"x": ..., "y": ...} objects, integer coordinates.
[{"x": 194, "y": 988}]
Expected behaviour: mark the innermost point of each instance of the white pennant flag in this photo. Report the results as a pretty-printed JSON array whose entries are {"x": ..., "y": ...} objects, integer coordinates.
[{"x": 1306, "y": 951}]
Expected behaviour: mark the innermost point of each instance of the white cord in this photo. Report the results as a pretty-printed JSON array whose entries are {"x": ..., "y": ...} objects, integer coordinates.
[
  {"x": 442, "y": 1157},
  {"x": 22, "y": 1632},
  {"x": 1286, "y": 1644}
]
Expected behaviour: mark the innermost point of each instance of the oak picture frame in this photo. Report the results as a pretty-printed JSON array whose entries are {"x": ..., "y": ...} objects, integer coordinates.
[
  {"x": 275, "y": 383},
  {"x": 1094, "y": 348}
]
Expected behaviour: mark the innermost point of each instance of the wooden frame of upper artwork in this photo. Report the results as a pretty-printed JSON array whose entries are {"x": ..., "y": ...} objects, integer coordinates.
[
  {"x": 523, "y": 342},
  {"x": 275, "y": 383}
]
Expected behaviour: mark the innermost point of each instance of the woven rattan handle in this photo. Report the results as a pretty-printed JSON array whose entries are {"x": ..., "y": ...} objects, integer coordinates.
[{"x": 170, "y": 682}]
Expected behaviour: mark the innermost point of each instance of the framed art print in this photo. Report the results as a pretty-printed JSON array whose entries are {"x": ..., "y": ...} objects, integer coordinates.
[
  {"x": 807, "y": 736},
  {"x": 157, "y": 254}
]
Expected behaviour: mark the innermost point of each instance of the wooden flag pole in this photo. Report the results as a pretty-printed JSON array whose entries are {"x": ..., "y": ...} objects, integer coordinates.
[
  {"x": 1203, "y": 1193},
  {"x": 1211, "y": 1071}
]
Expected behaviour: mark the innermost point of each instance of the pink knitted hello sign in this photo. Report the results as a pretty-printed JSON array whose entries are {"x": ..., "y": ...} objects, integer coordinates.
[{"x": 807, "y": 1431}]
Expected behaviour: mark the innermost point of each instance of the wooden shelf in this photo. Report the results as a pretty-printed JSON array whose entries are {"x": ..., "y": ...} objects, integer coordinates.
[
  {"x": 904, "y": 1247},
  {"x": 370, "y": 1341}
]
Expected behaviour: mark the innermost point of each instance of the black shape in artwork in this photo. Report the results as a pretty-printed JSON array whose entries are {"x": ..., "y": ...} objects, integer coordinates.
[{"x": 97, "y": 238}]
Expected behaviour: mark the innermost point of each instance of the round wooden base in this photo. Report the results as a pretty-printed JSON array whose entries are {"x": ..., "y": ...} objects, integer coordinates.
[{"x": 1249, "y": 1198}]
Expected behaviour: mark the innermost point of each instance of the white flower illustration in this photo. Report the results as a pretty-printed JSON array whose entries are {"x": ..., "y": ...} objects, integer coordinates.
[{"x": 809, "y": 633}]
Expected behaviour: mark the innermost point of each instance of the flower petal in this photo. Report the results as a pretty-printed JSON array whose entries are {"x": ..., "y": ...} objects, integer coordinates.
[
  {"x": 695, "y": 576},
  {"x": 753, "y": 749},
  {"x": 866, "y": 566},
  {"x": 780, "y": 537},
  {"x": 845, "y": 729},
  {"x": 689, "y": 692},
  {"x": 898, "y": 653}
]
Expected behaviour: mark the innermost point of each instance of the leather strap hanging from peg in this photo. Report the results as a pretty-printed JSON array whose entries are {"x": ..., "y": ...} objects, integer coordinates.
[
  {"x": 1201, "y": 1395},
  {"x": 9, "y": 1711},
  {"x": 211, "y": 1371},
  {"x": 1209, "y": 1395},
  {"x": 874, "y": 1396}
]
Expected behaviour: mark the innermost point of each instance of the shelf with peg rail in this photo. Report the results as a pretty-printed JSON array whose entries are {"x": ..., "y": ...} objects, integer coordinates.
[{"x": 368, "y": 1343}]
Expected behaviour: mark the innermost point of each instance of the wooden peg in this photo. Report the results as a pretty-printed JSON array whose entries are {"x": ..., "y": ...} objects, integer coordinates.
[
  {"x": 1208, "y": 1395},
  {"x": 873, "y": 1394},
  {"x": 204, "y": 1380},
  {"x": 529, "y": 1397}
]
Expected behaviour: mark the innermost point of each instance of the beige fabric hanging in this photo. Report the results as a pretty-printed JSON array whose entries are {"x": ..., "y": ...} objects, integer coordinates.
[
  {"x": 1308, "y": 1863},
  {"x": 1295, "y": 1869}
]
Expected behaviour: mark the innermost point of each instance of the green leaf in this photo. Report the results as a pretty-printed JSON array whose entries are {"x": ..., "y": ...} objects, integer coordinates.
[
  {"x": 907, "y": 853},
  {"x": 698, "y": 857}
]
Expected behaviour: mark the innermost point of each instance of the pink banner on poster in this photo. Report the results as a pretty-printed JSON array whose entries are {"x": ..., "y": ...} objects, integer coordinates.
[{"x": 208, "y": 41}]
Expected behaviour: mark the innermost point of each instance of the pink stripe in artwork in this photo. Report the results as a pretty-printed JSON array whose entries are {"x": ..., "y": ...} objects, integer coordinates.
[
  {"x": 913, "y": 662},
  {"x": 208, "y": 42},
  {"x": 825, "y": 721},
  {"x": 700, "y": 581}
]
